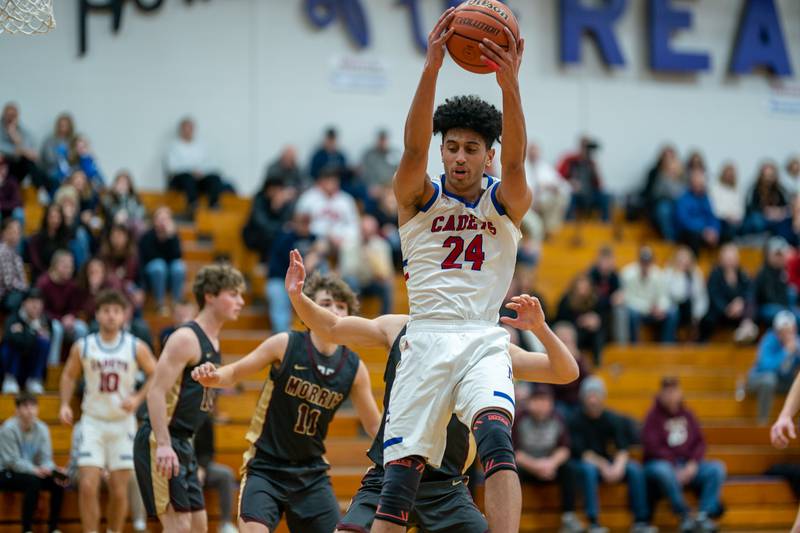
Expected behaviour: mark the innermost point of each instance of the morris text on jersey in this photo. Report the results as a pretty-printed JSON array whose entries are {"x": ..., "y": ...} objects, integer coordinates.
[{"x": 312, "y": 393}]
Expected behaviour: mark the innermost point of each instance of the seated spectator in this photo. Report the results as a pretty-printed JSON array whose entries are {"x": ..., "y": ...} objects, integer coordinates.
[
  {"x": 686, "y": 286},
  {"x": 647, "y": 298},
  {"x": 61, "y": 304},
  {"x": 328, "y": 156},
  {"x": 271, "y": 209},
  {"x": 13, "y": 278},
  {"x": 373, "y": 272},
  {"x": 88, "y": 200},
  {"x": 160, "y": 253},
  {"x": 695, "y": 221},
  {"x": 26, "y": 346},
  {"x": 122, "y": 205},
  {"x": 80, "y": 240},
  {"x": 189, "y": 168},
  {"x": 379, "y": 164},
  {"x": 55, "y": 149},
  {"x": 384, "y": 209},
  {"x": 580, "y": 170},
  {"x": 182, "y": 312},
  {"x": 790, "y": 181},
  {"x": 286, "y": 168},
  {"x": 296, "y": 234},
  {"x": 41, "y": 246},
  {"x": 674, "y": 451},
  {"x": 580, "y": 307},
  {"x": 334, "y": 217},
  {"x": 10, "y": 194},
  {"x": 727, "y": 202},
  {"x": 26, "y": 462},
  {"x": 18, "y": 147},
  {"x": 669, "y": 183},
  {"x": 771, "y": 290},
  {"x": 767, "y": 205},
  {"x": 82, "y": 159},
  {"x": 551, "y": 194},
  {"x": 213, "y": 475},
  {"x": 120, "y": 254},
  {"x": 600, "y": 443},
  {"x": 94, "y": 278},
  {"x": 777, "y": 362},
  {"x": 695, "y": 161},
  {"x": 646, "y": 198},
  {"x": 541, "y": 442},
  {"x": 610, "y": 298},
  {"x": 729, "y": 298},
  {"x": 567, "y": 395}
]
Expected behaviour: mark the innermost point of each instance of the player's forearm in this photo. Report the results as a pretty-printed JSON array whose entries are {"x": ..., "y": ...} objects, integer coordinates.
[
  {"x": 419, "y": 123},
  {"x": 66, "y": 388},
  {"x": 515, "y": 139},
  {"x": 560, "y": 456},
  {"x": 229, "y": 376},
  {"x": 563, "y": 366},
  {"x": 157, "y": 410},
  {"x": 792, "y": 403},
  {"x": 319, "y": 320}
]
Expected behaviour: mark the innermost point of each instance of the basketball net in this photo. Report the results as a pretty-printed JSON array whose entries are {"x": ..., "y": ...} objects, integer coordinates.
[{"x": 26, "y": 16}]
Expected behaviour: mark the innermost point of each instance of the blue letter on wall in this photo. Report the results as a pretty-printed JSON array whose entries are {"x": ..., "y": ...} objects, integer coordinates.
[
  {"x": 760, "y": 42},
  {"x": 577, "y": 19},
  {"x": 664, "y": 20}
]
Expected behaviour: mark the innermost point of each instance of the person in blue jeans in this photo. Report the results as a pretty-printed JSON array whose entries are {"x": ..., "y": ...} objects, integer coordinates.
[
  {"x": 25, "y": 346},
  {"x": 160, "y": 253},
  {"x": 593, "y": 431},
  {"x": 674, "y": 451}
]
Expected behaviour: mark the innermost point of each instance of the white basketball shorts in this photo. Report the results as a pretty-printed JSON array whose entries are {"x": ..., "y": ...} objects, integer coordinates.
[{"x": 107, "y": 444}]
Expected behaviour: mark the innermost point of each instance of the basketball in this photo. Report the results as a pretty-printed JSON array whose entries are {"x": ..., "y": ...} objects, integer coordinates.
[{"x": 475, "y": 20}]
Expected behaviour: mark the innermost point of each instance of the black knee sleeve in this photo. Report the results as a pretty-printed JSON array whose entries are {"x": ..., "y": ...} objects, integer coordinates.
[
  {"x": 492, "y": 430},
  {"x": 400, "y": 483}
]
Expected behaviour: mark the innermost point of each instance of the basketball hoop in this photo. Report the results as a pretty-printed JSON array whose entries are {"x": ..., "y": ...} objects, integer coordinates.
[{"x": 26, "y": 16}]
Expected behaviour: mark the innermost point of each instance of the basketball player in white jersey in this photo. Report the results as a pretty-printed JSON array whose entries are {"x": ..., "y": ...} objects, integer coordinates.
[
  {"x": 109, "y": 361},
  {"x": 459, "y": 234}
]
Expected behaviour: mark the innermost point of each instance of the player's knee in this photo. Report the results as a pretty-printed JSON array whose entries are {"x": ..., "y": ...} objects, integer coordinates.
[
  {"x": 492, "y": 430},
  {"x": 400, "y": 483},
  {"x": 252, "y": 527},
  {"x": 88, "y": 485}
]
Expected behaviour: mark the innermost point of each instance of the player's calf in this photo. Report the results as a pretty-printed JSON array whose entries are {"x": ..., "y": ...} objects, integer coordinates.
[
  {"x": 492, "y": 430},
  {"x": 400, "y": 483}
]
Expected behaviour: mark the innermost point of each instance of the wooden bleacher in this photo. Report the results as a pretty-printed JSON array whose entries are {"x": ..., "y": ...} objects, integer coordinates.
[{"x": 709, "y": 374}]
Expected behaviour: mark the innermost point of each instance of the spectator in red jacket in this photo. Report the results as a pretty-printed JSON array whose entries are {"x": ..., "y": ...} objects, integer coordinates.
[
  {"x": 674, "y": 450},
  {"x": 580, "y": 170}
]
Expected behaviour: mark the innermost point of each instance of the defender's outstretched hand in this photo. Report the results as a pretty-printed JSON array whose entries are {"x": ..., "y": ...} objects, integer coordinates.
[
  {"x": 505, "y": 63},
  {"x": 782, "y": 430},
  {"x": 438, "y": 37},
  {"x": 530, "y": 315},
  {"x": 296, "y": 275},
  {"x": 206, "y": 375}
]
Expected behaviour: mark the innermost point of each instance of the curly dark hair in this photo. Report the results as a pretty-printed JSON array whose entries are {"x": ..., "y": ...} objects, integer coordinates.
[{"x": 472, "y": 113}]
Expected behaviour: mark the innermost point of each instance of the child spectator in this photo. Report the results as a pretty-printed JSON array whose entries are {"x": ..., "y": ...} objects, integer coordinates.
[{"x": 26, "y": 346}]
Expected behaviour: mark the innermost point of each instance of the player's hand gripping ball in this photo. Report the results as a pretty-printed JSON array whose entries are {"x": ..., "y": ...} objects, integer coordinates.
[{"x": 473, "y": 21}]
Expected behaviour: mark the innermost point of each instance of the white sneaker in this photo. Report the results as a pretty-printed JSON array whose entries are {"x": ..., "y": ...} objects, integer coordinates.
[
  {"x": 10, "y": 385},
  {"x": 139, "y": 525},
  {"x": 227, "y": 527},
  {"x": 746, "y": 333},
  {"x": 34, "y": 386}
]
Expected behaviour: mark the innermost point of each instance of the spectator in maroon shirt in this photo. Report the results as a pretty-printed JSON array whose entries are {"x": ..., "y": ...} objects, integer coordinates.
[
  {"x": 52, "y": 236},
  {"x": 120, "y": 254},
  {"x": 674, "y": 451},
  {"x": 61, "y": 303}
]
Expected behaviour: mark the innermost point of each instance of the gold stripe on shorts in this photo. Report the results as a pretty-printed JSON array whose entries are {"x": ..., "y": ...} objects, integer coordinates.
[
  {"x": 159, "y": 482},
  {"x": 249, "y": 454}
]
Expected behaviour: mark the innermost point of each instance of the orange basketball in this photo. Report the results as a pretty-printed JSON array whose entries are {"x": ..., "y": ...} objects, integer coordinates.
[{"x": 475, "y": 20}]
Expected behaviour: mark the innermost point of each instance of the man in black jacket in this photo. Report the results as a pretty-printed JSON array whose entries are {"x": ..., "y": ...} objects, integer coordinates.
[
  {"x": 25, "y": 346},
  {"x": 771, "y": 287},
  {"x": 729, "y": 296}
]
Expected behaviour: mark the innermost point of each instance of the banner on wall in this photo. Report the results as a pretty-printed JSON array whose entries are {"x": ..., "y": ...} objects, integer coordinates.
[
  {"x": 784, "y": 100},
  {"x": 358, "y": 74}
]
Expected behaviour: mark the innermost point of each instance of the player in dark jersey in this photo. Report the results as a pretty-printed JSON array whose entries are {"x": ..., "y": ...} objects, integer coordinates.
[
  {"x": 284, "y": 470},
  {"x": 443, "y": 503},
  {"x": 164, "y": 458}
]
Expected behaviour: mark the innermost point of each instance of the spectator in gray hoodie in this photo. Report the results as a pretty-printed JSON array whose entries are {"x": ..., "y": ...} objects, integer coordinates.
[{"x": 26, "y": 462}]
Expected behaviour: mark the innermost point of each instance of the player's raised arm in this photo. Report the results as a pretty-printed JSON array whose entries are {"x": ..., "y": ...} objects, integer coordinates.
[
  {"x": 784, "y": 428},
  {"x": 66, "y": 388},
  {"x": 557, "y": 365},
  {"x": 364, "y": 401},
  {"x": 351, "y": 330},
  {"x": 147, "y": 362},
  {"x": 411, "y": 184},
  {"x": 513, "y": 192},
  {"x": 267, "y": 353}
]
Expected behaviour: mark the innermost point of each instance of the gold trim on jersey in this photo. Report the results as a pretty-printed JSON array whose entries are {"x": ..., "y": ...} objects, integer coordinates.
[
  {"x": 260, "y": 414},
  {"x": 159, "y": 482},
  {"x": 172, "y": 397}
]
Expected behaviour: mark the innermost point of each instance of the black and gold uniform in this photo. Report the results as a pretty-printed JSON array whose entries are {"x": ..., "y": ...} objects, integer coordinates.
[
  {"x": 187, "y": 404},
  {"x": 284, "y": 470}
]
